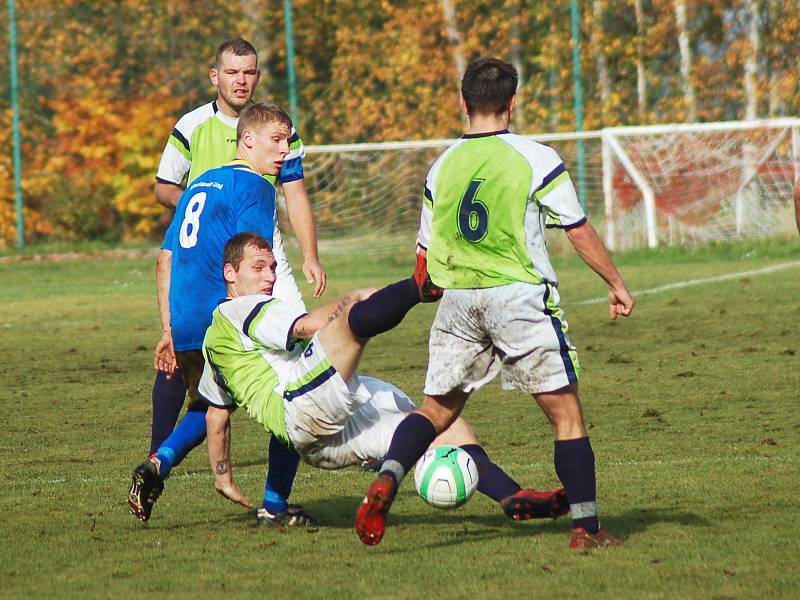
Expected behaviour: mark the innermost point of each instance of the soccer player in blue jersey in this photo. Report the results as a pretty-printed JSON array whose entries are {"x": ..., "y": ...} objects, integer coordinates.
[
  {"x": 215, "y": 206},
  {"x": 205, "y": 138}
]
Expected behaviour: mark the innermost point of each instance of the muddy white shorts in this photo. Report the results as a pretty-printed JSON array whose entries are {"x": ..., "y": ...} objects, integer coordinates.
[
  {"x": 517, "y": 330},
  {"x": 335, "y": 423}
]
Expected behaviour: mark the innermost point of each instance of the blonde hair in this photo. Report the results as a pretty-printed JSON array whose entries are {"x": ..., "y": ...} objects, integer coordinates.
[{"x": 256, "y": 114}]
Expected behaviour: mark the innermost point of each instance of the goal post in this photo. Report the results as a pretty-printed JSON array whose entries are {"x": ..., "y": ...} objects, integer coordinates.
[
  {"x": 690, "y": 183},
  {"x": 645, "y": 186}
]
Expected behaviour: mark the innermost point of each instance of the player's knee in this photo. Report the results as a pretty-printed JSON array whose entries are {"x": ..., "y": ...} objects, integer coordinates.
[
  {"x": 459, "y": 433},
  {"x": 442, "y": 411}
]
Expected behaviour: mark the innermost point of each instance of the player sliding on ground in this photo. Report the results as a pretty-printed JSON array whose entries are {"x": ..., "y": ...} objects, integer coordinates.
[
  {"x": 486, "y": 202},
  {"x": 295, "y": 373}
]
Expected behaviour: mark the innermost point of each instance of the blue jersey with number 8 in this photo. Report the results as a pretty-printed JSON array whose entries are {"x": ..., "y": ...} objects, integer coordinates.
[{"x": 217, "y": 205}]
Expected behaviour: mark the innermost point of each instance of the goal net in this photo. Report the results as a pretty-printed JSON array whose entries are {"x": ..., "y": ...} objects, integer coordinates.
[
  {"x": 684, "y": 184},
  {"x": 640, "y": 186}
]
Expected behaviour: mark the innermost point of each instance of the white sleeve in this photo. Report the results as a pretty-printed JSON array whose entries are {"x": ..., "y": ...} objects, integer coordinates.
[
  {"x": 264, "y": 319},
  {"x": 176, "y": 160},
  {"x": 428, "y": 194},
  {"x": 211, "y": 392},
  {"x": 552, "y": 188}
]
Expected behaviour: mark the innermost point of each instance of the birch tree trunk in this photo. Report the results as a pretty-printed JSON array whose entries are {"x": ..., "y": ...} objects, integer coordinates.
[
  {"x": 516, "y": 60},
  {"x": 454, "y": 38},
  {"x": 751, "y": 62},
  {"x": 686, "y": 60},
  {"x": 603, "y": 81},
  {"x": 744, "y": 200},
  {"x": 641, "y": 82}
]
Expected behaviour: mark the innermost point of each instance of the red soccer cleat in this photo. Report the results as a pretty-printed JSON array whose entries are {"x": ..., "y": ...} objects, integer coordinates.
[
  {"x": 530, "y": 504},
  {"x": 371, "y": 515},
  {"x": 583, "y": 539}
]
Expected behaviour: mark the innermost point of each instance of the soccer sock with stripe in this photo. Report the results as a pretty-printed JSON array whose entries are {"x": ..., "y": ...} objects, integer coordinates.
[
  {"x": 574, "y": 462},
  {"x": 384, "y": 309},
  {"x": 188, "y": 433},
  {"x": 168, "y": 396},
  {"x": 410, "y": 440},
  {"x": 492, "y": 480},
  {"x": 281, "y": 470}
]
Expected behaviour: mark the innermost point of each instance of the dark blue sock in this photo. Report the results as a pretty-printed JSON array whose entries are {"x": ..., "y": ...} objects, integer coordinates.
[
  {"x": 168, "y": 396},
  {"x": 188, "y": 433},
  {"x": 410, "y": 440},
  {"x": 492, "y": 480},
  {"x": 574, "y": 461},
  {"x": 281, "y": 468},
  {"x": 384, "y": 309}
]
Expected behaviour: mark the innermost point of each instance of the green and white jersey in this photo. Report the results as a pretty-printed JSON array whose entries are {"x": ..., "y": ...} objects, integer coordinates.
[
  {"x": 487, "y": 200},
  {"x": 205, "y": 138},
  {"x": 250, "y": 355}
]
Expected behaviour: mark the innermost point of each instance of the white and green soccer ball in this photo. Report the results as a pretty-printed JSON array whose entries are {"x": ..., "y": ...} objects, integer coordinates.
[{"x": 446, "y": 477}]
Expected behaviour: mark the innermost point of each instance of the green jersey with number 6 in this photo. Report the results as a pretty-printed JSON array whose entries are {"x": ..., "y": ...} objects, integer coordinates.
[{"x": 487, "y": 200}]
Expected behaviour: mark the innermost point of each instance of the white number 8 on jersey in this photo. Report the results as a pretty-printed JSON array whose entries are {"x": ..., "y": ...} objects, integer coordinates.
[{"x": 190, "y": 227}]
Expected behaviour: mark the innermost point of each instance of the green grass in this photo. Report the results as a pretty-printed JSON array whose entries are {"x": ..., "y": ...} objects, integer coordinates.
[{"x": 691, "y": 405}]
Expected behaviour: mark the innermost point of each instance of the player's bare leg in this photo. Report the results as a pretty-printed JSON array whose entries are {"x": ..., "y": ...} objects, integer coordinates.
[{"x": 575, "y": 466}]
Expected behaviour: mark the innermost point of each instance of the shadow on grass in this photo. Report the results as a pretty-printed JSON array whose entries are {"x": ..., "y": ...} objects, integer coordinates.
[{"x": 339, "y": 513}]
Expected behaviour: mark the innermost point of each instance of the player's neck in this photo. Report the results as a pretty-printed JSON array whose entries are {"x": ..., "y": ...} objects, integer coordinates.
[
  {"x": 243, "y": 155},
  {"x": 487, "y": 123},
  {"x": 226, "y": 109}
]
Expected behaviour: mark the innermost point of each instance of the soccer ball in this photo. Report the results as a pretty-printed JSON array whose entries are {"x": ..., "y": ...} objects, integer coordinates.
[{"x": 446, "y": 477}]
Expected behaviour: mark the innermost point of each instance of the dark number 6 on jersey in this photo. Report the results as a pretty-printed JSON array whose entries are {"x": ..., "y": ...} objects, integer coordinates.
[{"x": 473, "y": 216}]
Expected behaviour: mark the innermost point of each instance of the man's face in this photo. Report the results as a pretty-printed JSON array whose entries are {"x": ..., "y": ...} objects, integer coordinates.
[
  {"x": 256, "y": 274},
  {"x": 235, "y": 80},
  {"x": 268, "y": 147}
]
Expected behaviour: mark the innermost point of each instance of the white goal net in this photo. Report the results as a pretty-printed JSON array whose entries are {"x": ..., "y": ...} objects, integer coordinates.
[{"x": 670, "y": 184}]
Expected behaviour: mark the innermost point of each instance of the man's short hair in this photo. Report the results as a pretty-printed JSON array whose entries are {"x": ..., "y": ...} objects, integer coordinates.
[
  {"x": 239, "y": 47},
  {"x": 488, "y": 86},
  {"x": 256, "y": 114},
  {"x": 234, "y": 247}
]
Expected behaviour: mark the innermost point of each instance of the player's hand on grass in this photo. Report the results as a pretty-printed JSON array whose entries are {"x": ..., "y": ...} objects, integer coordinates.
[
  {"x": 164, "y": 355},
  {"x": 315, "y": 274},
  {"x": 620, "y": 302},
  {"x": 230, "y": 491}
]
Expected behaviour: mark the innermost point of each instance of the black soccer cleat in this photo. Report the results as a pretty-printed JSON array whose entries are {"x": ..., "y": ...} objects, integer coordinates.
[
  {"x": 146, "y": 487},
  {"x": 294, "y": 516}
]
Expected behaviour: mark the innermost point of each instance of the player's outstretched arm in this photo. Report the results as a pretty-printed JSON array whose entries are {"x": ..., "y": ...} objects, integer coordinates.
[
  {"x": 307, "y": 326},
  {"x": 300, "y": 216},
  {"x": 218, "y": 428},
  {"x": 593, "y": 252}
]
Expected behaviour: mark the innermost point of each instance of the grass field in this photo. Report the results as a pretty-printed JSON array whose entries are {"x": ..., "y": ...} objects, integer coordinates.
[{"x": 692, "y": 406}]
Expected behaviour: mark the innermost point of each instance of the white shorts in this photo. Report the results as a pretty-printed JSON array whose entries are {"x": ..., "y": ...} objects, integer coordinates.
[
  {"x": 335, "y": 424},
  {"x": 285, "y": 287},
  {"x": 516, "y": 329}
]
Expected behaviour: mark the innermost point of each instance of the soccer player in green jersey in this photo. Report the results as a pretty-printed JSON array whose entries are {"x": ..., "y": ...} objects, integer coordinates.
[
  {"x": 487, "y": 200},
  {"x": 295, "y": 373}
]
